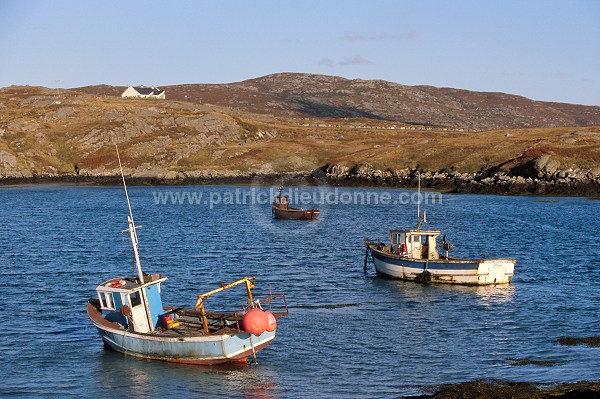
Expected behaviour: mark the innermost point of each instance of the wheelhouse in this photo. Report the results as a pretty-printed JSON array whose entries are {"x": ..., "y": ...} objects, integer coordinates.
[
  {"x": 282, "y": 201},
  {"x": 135, "y": 306},
  {"x": 418, "y": 244}
]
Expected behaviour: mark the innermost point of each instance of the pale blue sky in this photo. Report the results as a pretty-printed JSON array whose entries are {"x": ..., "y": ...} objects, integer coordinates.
[{"x": 542, "y": 49}]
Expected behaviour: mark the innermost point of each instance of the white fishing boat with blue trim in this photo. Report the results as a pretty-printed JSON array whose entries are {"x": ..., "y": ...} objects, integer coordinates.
[
  {"x": 413, "y": 255},
  {"x": 130, "y": 317}
]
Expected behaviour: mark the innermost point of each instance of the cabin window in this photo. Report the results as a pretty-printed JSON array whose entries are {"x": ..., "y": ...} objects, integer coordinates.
[
  {"x": 106, "y": 300},
  {"x": 136, "y": 299}
]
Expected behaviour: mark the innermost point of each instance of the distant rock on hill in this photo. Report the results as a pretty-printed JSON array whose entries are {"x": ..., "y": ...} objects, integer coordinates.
[{"x": 308, "y": 95}]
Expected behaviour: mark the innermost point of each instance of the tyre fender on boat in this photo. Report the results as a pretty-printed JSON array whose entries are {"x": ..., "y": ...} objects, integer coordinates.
[{"x": 423, "y": 277}]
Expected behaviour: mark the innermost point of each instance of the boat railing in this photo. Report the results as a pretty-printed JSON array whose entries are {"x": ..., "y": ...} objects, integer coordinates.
[
  {"x": 274, "y": 303},
  {"x": 248, "y": 281}
]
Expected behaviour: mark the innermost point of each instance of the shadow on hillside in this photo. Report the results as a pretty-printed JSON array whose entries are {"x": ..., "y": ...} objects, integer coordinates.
[{"x": 321, "y": 110}]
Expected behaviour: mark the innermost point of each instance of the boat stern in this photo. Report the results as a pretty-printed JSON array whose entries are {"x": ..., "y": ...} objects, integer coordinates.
[{"x": 495, "y": 271}]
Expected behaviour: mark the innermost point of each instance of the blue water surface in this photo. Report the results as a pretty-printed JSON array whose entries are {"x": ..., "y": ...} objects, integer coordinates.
[{"x": 349, "y": 334}]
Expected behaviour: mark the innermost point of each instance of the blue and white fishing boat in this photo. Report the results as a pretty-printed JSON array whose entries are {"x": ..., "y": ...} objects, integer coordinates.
[
  {"x": 413, "y": 255},
  {"x": 130, "y": 317}
]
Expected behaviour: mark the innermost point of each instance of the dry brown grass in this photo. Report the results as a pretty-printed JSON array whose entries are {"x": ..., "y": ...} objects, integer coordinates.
[{"x": 467, "y": 152}]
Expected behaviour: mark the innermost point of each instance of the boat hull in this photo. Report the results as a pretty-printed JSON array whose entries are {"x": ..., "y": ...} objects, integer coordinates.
[
  {"x": 201, "y": 350},
  {"x": 295, "y": 214},
  {"x": 447, "y": 271}
]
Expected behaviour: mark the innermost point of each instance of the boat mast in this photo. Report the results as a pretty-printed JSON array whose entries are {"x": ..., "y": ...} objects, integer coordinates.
[
  {"x": 418, "y": 195},
  {"x": 281, "y": 188},
  {"x": 424, "y": 218},
  {"x": 131, "y": 226}
]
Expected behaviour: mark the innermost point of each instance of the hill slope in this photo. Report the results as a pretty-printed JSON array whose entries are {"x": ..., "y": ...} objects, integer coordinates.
[
  {"x": 44, "y": 133},
  {"x": 319, "y": 96}
]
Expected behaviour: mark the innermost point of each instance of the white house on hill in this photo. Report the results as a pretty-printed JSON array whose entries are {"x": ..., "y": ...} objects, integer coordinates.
[{"x": 144, "y": 92}]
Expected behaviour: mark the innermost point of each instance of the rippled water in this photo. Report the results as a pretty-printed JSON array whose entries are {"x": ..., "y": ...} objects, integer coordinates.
[{"x": 348, "y": 334}]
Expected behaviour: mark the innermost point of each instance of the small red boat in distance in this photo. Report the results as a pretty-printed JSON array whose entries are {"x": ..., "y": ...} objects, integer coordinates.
[{"x": 281, "y": 209}]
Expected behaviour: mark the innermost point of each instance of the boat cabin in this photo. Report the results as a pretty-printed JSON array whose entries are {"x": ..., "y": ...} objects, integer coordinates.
[
  {"x": 416, "y": 244},
  {"x": 135, "y": 306},
  {"x": 282, "y": 201}
]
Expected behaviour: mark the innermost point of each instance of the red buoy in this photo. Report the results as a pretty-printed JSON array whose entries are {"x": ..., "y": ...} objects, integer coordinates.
[
  {"x": 255, "y": 321},
  {"x": 272, "y": 325}
]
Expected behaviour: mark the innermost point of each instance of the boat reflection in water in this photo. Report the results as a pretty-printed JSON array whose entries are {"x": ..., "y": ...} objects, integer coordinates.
[
  {"x": 492, "y": 296},
  {"x": 132, "y": 375}
]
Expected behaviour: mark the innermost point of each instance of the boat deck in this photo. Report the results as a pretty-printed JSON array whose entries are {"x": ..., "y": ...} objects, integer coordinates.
[
  {"x": 388, "y": 251},
  {"x": 184, "y": 330},
  {"x": 189, "y": 322}
]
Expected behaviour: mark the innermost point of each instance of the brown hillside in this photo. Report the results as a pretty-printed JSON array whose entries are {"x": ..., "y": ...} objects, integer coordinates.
[
  {"x": 319, "y": 96},
  {"x": 44, "y": 132}
]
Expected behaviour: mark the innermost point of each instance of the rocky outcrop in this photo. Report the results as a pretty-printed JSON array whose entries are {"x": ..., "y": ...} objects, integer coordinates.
[
  {"x": 44, "y": 135},
  {"x": 541, "y": 177}
]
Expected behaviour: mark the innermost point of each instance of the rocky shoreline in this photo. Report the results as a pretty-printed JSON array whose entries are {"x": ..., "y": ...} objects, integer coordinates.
[
  {"x": 200, "y": 178},
  {"x": 513, "y": 390},
  {"x": 539, "y": 177},
  {"x": 497, "y": 389}
]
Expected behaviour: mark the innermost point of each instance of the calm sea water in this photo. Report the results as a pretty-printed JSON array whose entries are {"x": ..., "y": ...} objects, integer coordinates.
[{"x": 348, "y": 334}]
